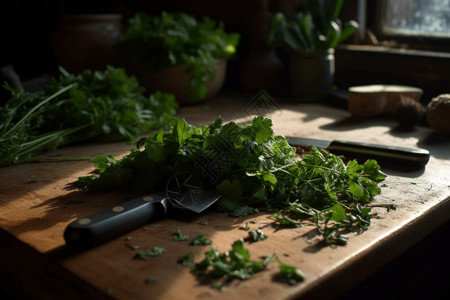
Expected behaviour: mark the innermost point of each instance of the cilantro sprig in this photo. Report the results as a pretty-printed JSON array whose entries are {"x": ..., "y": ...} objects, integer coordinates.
[{"x": 252, "y": 168}]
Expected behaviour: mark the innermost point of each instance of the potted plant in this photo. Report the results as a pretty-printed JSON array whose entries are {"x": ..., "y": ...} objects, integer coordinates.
[
  {"x": 176, "y": 53},
  {"x": 310, "y": 37}
]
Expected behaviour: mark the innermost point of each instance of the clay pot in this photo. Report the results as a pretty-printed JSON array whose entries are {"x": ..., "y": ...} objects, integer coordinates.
[
  {"x": 174, "y": 80},
  {"x": 85, "y": 41},
  {"x": 311, "y": 75}
]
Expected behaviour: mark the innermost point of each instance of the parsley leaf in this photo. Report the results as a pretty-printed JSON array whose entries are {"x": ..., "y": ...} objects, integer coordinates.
[
  {"x": 200, "y": 240},
  {"x": 233, "y": 264},
  {"x": 178, "y": 236},
  {"x": 146, "y": 254}
]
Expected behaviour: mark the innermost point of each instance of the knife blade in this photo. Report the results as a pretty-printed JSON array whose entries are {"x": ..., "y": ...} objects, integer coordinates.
[
  {"x": 416, "y": 157},
  {"x": 181, "y": 192}
]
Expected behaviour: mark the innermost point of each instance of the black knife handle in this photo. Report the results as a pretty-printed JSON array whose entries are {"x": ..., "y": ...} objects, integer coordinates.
[
  {"x": 416, "y": 157},
  {"x": 108, "y": 224}
]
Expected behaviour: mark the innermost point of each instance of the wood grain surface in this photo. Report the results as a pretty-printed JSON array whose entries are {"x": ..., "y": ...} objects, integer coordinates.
[{"x": 37, "y": 202}]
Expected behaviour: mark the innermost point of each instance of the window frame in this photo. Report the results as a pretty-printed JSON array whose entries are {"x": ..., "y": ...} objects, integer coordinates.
[{"x": 430, "y": 43}]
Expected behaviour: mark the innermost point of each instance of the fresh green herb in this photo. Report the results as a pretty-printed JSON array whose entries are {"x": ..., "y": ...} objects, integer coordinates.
[
  {"x": 256, "y": 170},
  {"x": 200, "y": 240},
  {"x": 204, "y": 223},
  {"x": 233, "y": 264},
  {"x": 75, "y": 108},
  {"x": 244, "y": 227},
  {"x": 128, "y": 238},
  {"x": 144, "y": 255},
  {"x": 170, "y": 39},
  {"x": 187, "y": 259},
  {"x": 289, "y": 273},
  {"x": 314, "y": 28},
  {"x": 178, "y": 236},
  {"x": 151, "y": 280},
  {"x": 256, "y": 235},
  {"x": 32, "y": 180},
  {"x": 133, "y": 247}
]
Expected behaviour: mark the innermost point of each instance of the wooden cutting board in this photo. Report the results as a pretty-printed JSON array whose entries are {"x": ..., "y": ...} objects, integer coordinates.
[{"x": 37, "y": 202}]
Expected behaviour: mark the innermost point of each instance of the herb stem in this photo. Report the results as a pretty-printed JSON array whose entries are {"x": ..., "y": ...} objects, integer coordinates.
[{"x": 38, "y": 106}]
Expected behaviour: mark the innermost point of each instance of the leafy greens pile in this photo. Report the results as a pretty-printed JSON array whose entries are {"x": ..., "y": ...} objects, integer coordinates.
[
  {"x": 171, "y": 39},
  {"x": 75, "y": 108},
  {"x": 252, "y": 168}
]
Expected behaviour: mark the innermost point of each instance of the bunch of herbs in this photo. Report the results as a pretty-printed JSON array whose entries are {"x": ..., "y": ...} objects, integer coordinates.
[
  {"x": 251, "y": 168},
  {"x": 315, "y": 27},
  {"x": 171, "y": 39},
  {"x": 105, "y": 104}
]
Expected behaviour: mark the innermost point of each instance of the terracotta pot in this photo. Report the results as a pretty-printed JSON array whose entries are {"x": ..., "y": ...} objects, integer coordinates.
[
  {"x": 311, "y": 75},
  {"x": 175, "y": 79},
  {"x": 85, "y": 41}
]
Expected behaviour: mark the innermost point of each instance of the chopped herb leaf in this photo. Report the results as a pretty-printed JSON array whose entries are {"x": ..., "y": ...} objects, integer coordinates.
[
  {"x": 151, "y": 280},
  {"x": 233, "y": 264},
  {"x": 200, "y": 240},
  {"x": 187, "y": 259},
  {"x": 144, "y": 255},
  {"x": 290, "y": 274},
  {"x": 257, "y": 235},
  {"x": 178, "y": 236}
]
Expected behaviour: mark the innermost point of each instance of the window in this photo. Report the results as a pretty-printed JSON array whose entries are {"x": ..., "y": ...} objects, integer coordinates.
[{"x": 416, "y": 18}]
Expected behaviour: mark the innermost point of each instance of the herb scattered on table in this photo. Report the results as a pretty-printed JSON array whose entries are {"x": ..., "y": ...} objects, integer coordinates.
[
  {"x": 178, "y": 236},
  {"x": 105, "y": 105},
  {"x": 233, "y": 264},
  {"x": 200, "y": 240},
  {"x": 290, "y": 274},
  {"x": 146, "y": 254},
  {"x": 244, "y": 227},
  {"x": 237, "y": 264},
  {"x": 252, "y": 169},
  {"x": 133, "y": 247},
  {"x": 256, "y": 235},
  {"x": 151, "y": 280},
  {"x": 187, "y": 260}
]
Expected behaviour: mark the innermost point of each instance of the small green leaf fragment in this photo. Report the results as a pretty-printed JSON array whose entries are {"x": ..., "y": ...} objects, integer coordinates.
[
  {"x": 187, "y": 259},
  {"x": 290, "y": 274},
  {"x": 178, "y": 236},
  {"x": 200, "y": 240},
  {"x": 257, "y": 235},
  {"x": 146, "y": 254},
  {"x": 151, "y": 280}
]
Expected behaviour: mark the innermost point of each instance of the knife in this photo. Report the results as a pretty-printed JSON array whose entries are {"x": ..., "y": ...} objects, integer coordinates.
[
  {"x": 415, "y": 157},
  {"x": 182, "y": 191}
]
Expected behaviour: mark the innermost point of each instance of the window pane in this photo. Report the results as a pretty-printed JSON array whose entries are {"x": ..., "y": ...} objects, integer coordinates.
[{"x": 417, "y": 17}]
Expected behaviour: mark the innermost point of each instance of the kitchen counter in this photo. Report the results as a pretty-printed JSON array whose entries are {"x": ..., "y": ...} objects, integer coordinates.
[{"x": 38, "y": 201}]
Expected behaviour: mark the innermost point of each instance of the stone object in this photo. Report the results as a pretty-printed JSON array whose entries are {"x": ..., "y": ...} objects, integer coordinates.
[{"x": 438, "y": 113}]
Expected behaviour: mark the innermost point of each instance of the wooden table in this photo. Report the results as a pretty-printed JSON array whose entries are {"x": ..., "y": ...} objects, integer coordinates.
[{"x": 37, "y": 202}]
